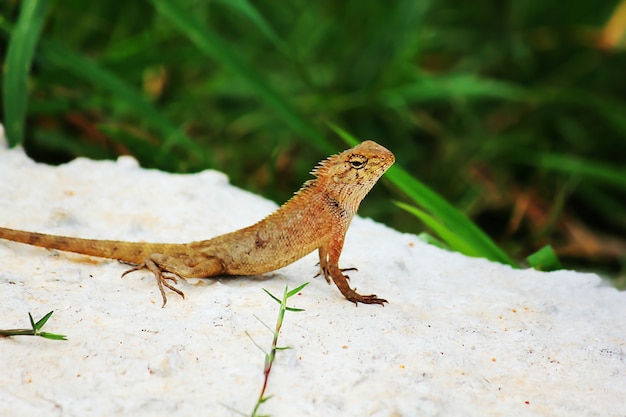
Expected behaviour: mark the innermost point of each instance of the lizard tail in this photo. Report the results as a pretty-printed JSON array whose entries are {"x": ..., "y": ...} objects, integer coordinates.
[{"x": 132, "y": 252}]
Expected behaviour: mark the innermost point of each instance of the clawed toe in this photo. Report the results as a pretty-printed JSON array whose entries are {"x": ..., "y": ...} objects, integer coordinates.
[
  {"x": 133, "y": 269},
  {"x": 162, "y": 279},
  {"x": 367, "y": 299},
  {"x": 161, "y": 276},
  {"x": 171, "y": 287}
]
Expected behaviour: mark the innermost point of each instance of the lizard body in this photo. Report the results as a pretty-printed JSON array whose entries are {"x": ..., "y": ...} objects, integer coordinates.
[{"x": 316, "y": 217}]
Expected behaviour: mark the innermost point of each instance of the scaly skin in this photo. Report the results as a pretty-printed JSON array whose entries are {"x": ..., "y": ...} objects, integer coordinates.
[{"x": 316, "y": 217}]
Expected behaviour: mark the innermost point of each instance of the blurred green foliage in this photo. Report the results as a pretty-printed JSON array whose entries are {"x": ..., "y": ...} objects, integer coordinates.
[{"x": 513, "y": 111}]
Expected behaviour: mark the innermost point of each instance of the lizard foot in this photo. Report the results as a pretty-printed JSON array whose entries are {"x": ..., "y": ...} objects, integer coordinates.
[
  {"x": 161, "y": 278},
  {"x": 357, "y": 298},
  {"x": 341, "y": 281}
]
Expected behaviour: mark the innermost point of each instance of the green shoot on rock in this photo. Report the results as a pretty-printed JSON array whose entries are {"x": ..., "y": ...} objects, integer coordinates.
[
  {"x": 35, "y": 330},
  {"x": 269, "y": 356}
]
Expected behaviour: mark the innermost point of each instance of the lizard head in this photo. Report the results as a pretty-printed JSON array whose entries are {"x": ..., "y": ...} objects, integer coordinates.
[{"x": 348, "y": 177}]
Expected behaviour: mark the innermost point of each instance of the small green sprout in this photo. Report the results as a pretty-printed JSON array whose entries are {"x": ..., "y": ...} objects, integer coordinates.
[
  {"x": 269, "y": 357},
  {"x": 35, "y": 329}
]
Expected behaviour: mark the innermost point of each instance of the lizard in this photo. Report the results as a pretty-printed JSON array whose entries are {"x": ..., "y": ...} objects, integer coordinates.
[{"x": 316, "y": 217}]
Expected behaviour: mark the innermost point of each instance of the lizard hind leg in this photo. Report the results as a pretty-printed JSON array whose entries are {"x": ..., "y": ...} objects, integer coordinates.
[{"x": 183, "y": 265}]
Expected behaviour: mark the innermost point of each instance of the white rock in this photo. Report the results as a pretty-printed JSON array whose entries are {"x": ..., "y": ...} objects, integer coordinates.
[{"x": 459, "y": 337}]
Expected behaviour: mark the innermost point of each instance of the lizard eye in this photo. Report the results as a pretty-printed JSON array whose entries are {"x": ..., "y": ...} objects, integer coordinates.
[{"x": 357, "y": 163}]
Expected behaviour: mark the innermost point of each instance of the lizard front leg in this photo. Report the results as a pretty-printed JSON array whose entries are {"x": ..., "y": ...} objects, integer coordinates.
[
  {"x": 329, "y": 265},
  {"x": 323, "y": 265},
  {"x": 179, "y": 266}
]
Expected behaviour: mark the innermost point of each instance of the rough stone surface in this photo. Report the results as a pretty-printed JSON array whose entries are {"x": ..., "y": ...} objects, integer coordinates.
[{"x": 459, "y": 337}]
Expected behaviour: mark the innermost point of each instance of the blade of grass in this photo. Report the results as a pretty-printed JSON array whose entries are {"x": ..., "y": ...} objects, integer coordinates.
[
  {"x": 593, "y": 170},
  {"x": 610, "y": 109},
  {"x": 34, "y": 330},
  {"x": 271, "y": 355},
  {"x": 432, "y": 240},
  {"x": 606, "y": 203},
  {"x": 247, "y": 9},
  {"x": 450, "y": 218},
  {"x": 454, "y": 241},
  {"x": 450, "y": 87},
  {"x": 41, "y": 322},
  {"x": 90, "y": 71},
  {"x": 100, "y": 77},
  {"x": 544, "y": 259},
  {"x": 209, "y": 43},
  {"x": 32, "y": 323},
  {"x": 17, "y": 66}
]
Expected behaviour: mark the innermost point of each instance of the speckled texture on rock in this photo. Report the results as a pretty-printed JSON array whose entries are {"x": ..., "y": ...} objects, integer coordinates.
[{"x": 460, "y": 336}]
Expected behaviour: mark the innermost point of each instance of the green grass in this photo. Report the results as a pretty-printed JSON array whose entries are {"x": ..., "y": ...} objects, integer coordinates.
[
  {"x": 17, "y": 65},
  {"x": 507, "y": 120},
  {"x": 35, "y": 329},
  {"x": 270, "y": 355}
]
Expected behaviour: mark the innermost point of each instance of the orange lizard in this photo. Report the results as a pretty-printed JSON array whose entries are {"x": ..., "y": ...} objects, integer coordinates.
[{"x": 316, "y": 217}]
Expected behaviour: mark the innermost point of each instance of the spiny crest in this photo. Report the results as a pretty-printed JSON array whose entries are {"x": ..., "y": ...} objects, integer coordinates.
[
  {"x": 367, "y": 148},
  {"x": 369, "y": 151},
  {"x": 324, "y": 164}
]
